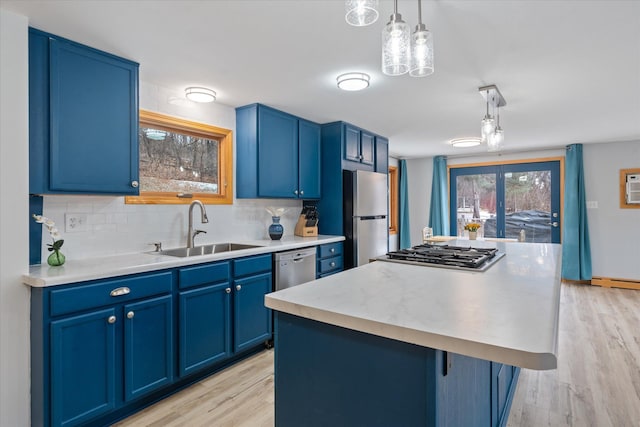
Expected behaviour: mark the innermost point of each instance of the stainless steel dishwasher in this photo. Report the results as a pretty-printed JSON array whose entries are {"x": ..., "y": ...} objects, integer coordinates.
[{"x": 295, "y": 267}]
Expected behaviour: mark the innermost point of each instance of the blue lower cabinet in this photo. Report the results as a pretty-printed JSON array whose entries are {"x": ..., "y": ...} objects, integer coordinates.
[
  {"x": 504, "y": 379},
  {"x": 148, "y": 346},
  {"x": 204, "y": 325},
  {"x": 252, "y": 320},
  {"x": 329, "y": 259},
  {"x": 329, "y": 375},
  {"x": 103, "y": 349},
  {"x": 83, "y": 367}
]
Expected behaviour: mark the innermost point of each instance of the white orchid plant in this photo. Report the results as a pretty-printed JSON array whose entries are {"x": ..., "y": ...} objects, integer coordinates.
[
  {"x": 276, "y": 211},
  {"x": 53, "y": 231}
]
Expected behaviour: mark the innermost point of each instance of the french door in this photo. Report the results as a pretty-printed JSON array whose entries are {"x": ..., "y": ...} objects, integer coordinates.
[{"x": 509, "y": 201}]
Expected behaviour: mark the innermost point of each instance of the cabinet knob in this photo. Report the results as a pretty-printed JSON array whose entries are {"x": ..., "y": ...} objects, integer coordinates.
[
  {"x": 135, "y": 184},
  {"x": 332, "y": 264},
  {"x": 130, "y": 315},
  {"x": 332, "y": 250},
  {"x": 301, "y": 192},
  {"x": 228, "y": 290},
  {"x": 238, "y": 287},
  {"x": 295, "y": 192},
  {"x": 111, "y": 319}
]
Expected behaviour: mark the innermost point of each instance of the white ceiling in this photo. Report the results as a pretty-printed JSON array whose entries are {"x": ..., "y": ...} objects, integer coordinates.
[{"x": 569, "y": 70}]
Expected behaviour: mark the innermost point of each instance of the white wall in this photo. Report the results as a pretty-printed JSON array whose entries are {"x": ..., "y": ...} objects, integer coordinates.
[
  {"x": 115, "y": 227},
  {"x": 614, "y": 232},
  {"x": 420, "y": 172},
  {"x": 14, "y": 216}
]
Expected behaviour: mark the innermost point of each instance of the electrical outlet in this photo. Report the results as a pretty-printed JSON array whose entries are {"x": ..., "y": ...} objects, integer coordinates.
[
  {"x": 592, "y": 204},
  {"x": 75, "y": 222}
]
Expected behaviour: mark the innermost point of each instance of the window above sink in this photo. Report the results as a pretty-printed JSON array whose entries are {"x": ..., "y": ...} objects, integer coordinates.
[{"x": 181, "y": 160}]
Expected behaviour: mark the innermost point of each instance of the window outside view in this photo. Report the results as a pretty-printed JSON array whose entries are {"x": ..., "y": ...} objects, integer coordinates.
[
  {"x": 175, "y": 162},
  {"x": 527, "y": 200}
]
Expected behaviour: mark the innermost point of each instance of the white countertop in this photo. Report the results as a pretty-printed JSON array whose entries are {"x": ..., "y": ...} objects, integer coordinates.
[
  {"x": 111, "y": 266},
  {"x": 507, "y": 314}
]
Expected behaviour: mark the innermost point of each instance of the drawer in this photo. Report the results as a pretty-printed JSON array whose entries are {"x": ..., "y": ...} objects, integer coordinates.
[
  {"x": 207, "y": 273},
  {"x": 330, "y": 264},
  {"x": 329, "y": 250},
  {"x": 251, "y": 265},
  {"x": 109, "y": 292}
]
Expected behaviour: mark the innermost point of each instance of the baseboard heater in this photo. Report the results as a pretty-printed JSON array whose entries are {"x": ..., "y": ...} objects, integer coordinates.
[{"x": 609, "y": 282}]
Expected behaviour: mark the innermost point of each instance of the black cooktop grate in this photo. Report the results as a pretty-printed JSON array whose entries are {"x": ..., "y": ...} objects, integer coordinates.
[{"x": 446, "y": 255}]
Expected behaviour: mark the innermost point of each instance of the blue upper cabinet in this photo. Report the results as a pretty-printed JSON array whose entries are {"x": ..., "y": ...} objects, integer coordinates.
[
  {"x": 309, "y": 159},
  {"x": 342, "y": 146},
  {"x": 382, "y": 155},
  {"x": 83, "y": 119},
  {"x": 278, "y": 155},
  {"x": 359, "y": 145}
]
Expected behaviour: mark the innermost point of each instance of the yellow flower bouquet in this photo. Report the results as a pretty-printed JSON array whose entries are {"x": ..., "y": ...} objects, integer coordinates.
[{"x": 472, "y": 226}]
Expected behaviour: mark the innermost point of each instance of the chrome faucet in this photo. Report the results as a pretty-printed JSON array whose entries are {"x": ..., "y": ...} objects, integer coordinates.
[{"x": 191, "y": 234}]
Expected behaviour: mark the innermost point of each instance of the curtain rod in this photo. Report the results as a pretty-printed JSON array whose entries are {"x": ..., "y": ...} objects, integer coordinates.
[{"x": 487, "y": 153}]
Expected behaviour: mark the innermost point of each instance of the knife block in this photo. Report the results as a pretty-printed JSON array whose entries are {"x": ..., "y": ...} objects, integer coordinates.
[{"x": 302, "y": 230}]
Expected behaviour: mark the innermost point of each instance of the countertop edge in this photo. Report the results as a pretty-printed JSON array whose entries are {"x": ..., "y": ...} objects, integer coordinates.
[
  {"x": 507, "y": 355},
  {"x": 41, "y": 276}
]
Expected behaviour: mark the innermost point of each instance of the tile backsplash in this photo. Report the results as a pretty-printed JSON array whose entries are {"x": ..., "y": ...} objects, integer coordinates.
[{"x": 103, "y": 225}]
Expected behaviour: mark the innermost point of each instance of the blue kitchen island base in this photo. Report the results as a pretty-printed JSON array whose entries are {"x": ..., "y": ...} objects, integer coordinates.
[{"x": 327, "y": 375}]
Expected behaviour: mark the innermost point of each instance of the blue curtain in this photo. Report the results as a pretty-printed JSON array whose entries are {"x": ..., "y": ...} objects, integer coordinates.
[
  {"x": 438, "y": 214},
  {"x": 576, "y": 249},
  {"x": 405, "y": 232}
]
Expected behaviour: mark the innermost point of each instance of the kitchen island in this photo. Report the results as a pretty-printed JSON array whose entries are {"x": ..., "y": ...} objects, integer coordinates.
[{"x": 395, "y": 344}]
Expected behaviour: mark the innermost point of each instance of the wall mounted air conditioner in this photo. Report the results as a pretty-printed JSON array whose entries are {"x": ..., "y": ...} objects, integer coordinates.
[{"x": 633, "y": 189}]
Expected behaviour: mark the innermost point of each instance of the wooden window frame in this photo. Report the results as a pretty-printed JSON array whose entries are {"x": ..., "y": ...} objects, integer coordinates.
[
  {"x": 393, "y": 200},
  {"x": 623, "y": 188},
  {"x": 201, "y": 130}
]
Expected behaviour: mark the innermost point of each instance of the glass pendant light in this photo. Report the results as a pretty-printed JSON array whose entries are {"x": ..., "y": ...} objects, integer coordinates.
[
  {"x": 360, "y": 13},
  {"x": 421, "y": 49},
  {"x": 395, "y": 45},
  {"x": 496, "y": 138},
  {"x": 488, "y": 123}
]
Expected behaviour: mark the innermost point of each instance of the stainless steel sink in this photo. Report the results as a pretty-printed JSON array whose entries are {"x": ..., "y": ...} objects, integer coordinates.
[{"x": 206, "y": 249}]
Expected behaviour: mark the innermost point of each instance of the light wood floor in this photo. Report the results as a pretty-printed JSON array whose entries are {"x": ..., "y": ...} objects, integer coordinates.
[{"x": 597, "y": 382}]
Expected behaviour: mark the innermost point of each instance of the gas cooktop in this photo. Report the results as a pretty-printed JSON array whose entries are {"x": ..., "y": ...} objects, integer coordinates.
[{"x": 446, "y": 256}]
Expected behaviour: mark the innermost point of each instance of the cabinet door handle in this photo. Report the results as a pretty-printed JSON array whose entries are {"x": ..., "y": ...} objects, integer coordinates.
[
  {"x": 332, "y": 264},
  {"x": 332, "y": 250},
  {"x": 120, "y": 291},
  {"x": 135, "y": 184},
  {"x": 111, "y": 319},
  {"x": 130, "y": 315},
  {"x": 228, "y": 290},
  {"x": 238, "y": 287},
  {"x": 295, "y": 192}
]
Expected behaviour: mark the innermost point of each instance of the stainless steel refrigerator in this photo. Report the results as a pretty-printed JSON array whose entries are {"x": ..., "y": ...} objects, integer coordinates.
[{"x": 365, "y": 216}]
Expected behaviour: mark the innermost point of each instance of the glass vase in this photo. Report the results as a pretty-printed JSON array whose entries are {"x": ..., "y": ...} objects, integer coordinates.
[
  {"x": 56, "y": 258},
  {"x": 276, "y": 229}
]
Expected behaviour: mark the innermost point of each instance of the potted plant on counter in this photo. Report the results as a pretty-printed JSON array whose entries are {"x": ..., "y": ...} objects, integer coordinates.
[{"x": 472, "y": 228}]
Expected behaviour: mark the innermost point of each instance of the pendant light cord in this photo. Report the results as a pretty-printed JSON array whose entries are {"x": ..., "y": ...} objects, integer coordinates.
[
  {"x": 395, "y": 7},
  {"x": 419, "y": 12}
]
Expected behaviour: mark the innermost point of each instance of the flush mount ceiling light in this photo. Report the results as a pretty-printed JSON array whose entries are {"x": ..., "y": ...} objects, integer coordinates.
[
  {"x": 491, "y": 132},
  {"x": 465, "y": 142},
  {"x": 353, "y": 81},
  {"x": 155, "y": 134},
  {"x": 360, "y": 13},
  {"x": 421, "y": 61},
  {"x": 200, "y": 94}
]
